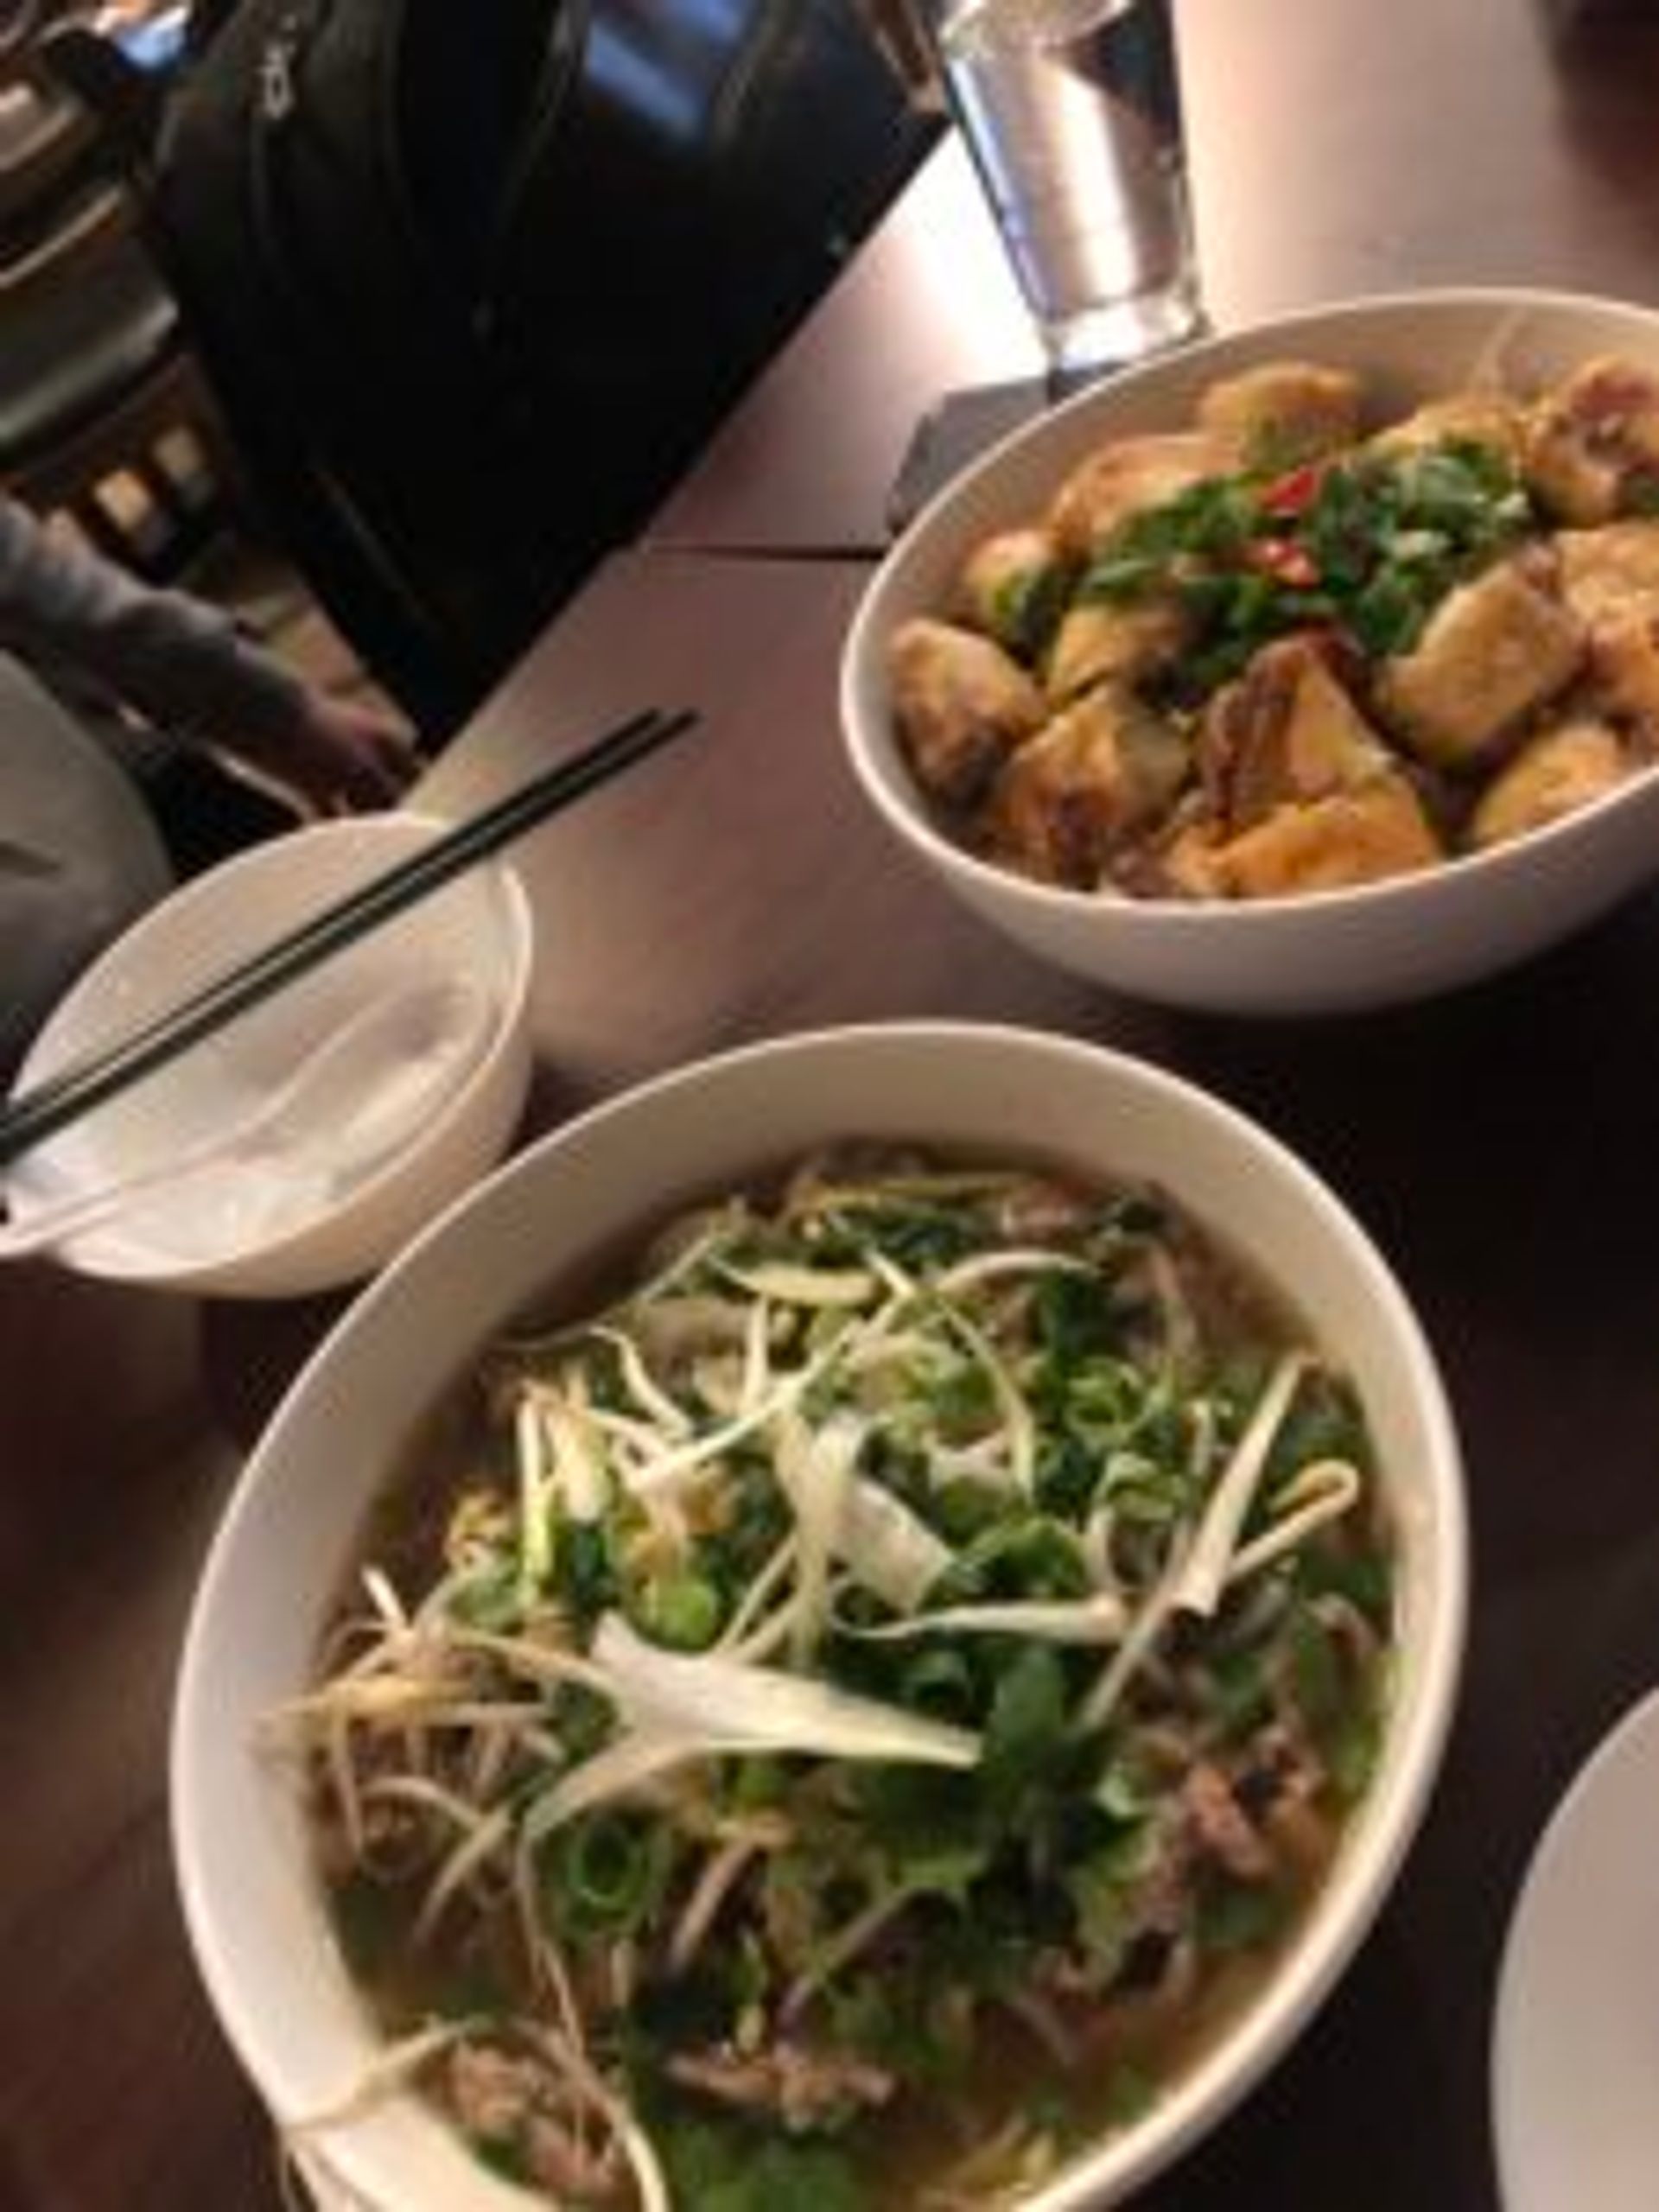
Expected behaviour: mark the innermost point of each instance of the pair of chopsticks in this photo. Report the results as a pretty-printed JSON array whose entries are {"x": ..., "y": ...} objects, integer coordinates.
[{"x": 47, "y": 1107}]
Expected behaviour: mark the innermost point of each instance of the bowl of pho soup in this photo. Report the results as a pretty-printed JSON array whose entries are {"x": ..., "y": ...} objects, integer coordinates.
[{"x": 869, "y": 1624}]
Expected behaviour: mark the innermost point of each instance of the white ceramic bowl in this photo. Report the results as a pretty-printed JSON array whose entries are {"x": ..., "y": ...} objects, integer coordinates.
[
  {"x": 476, "y": 932},
  {"x": 1575, "y": 2036},
  {"x": 1390, "y": 941},
  {"x": 250, "y": 1902}
]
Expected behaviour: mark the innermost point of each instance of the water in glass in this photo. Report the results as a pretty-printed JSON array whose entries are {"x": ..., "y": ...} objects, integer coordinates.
[{"x": 1071, "y": 110}]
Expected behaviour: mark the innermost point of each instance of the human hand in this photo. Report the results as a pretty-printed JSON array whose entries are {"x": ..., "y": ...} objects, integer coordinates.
[
  {"x": 352, "y": 755},
  {"x": 338, "y": 756}
]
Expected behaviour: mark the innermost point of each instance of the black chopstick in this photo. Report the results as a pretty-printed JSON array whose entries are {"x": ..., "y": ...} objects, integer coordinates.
[{"x": 47, "y": 1107}]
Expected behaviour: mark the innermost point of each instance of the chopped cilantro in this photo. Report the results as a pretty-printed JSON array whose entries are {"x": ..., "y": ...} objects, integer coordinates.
[
  {"x": 715, "y": 2166},
  {"x": 1027, "y": 609},
  {"x": 1377, "y": 548}
]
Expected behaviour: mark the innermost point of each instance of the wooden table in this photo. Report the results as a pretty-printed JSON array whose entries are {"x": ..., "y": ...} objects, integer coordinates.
[{"x": 1500, "y": 1144}]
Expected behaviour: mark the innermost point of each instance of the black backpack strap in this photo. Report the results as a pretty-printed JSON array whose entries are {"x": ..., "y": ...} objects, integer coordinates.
[
  {"x": 477, "y": 86},
  {"x": 558, "y": 59}
]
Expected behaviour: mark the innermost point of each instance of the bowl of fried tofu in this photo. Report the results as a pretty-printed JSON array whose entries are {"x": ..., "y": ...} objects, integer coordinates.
[{"x": 1312, "y": 668}]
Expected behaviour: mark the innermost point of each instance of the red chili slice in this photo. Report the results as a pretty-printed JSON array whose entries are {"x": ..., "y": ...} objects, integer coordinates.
[{"x": 1291, "y": 495}]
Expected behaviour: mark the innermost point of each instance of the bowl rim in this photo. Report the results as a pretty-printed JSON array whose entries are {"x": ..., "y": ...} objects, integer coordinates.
[
  {"x": 1353, "y": 1894},
  {"x": 905, "y": 809},
  {"x": 156, "y": 1270},
  {"x": 1547, "y": 1882}
]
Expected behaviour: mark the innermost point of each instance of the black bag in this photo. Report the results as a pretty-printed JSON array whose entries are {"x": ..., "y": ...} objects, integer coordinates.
[
  {"x": 335, "y": 293},
  {"x": 472, "y": 282},
  {"x": 377, "y": 141}
]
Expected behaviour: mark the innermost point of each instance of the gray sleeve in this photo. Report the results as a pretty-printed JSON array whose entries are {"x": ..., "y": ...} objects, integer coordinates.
[
  {"x": 175, "y": 659},
  {"x": 80, "y": 857}
]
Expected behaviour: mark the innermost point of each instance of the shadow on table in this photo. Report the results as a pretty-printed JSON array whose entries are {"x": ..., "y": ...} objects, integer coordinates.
[
  {"x": 1604, "y": 58},
  {"x": 1499, "y": 1144}
]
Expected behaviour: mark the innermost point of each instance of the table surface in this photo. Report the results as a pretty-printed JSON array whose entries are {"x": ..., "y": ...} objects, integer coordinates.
[{"x": 1498, "y": 1143}]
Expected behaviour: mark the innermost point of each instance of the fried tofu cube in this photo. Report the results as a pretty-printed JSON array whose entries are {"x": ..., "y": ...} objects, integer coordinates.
[
  {"x": 1490, "y": 420},
  {"x": 1592, "y": 445},
  {"x": 1552, "y": 776},
  {"x": 1365, "y": 835},
  {"x": 960, "y": 705},
  {"x": 1609, "y": 580},
  {"x": 1609, "y": 574},
  {"x": 1493, "y": 652},
  {"x": 1101, "y": 771},
  {"x": 1010, "y": 587},
  {"x": 1286, "y": 730},
  {"x": 1124, "y": 479},
  {"x": 1101, "y": 642},
  {"x": 1282, "y": 413},
  {"x": 1623, "y": 678}
]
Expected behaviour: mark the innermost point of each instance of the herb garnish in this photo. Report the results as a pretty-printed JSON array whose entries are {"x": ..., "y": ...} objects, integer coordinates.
[{"x": 1365, "y": 546}]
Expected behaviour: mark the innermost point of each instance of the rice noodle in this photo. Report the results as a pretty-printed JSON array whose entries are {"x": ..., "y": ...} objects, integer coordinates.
[{"x": 722, "y": 1871}]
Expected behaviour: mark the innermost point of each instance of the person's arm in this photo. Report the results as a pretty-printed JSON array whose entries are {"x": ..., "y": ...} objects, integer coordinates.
[{"x": 183, "y": 665}]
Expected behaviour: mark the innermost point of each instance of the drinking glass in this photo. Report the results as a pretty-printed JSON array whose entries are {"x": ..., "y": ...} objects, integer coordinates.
[{"x": 1072, "y": 112}]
